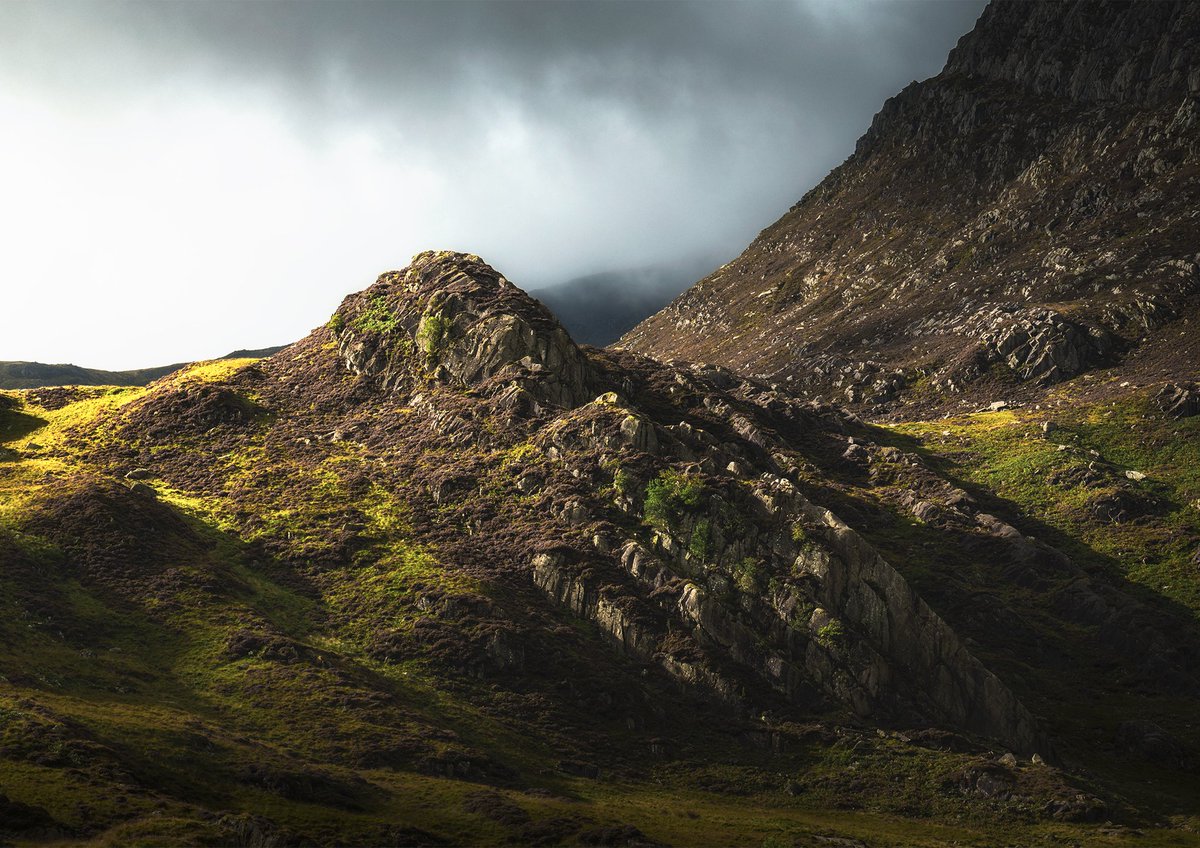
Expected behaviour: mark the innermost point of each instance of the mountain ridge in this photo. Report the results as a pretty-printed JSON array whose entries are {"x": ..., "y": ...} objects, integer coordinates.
[
  {"x": 438, "y": 574},
  {"x": 1007, "y": 234}
]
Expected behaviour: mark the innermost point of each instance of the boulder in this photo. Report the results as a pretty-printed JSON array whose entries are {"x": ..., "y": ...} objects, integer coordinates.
[
  {"x": 1179, "y": 400},
  {"x": 639, "y": 433}
]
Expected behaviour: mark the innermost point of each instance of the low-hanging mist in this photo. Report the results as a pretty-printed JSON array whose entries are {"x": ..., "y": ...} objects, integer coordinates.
[{"x": 185, "y": 179}]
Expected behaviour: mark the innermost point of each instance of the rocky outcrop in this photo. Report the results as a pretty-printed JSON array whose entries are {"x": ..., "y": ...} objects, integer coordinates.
[
  {"x": 1138, "y": 53},
  {"x": 1037, "y": 344},
  {"x": 1179, "y": 400},
  {"x": 705, "y": 560},
  {"x": 771, "y": 590},
  {"x": 452, "y": 318}
]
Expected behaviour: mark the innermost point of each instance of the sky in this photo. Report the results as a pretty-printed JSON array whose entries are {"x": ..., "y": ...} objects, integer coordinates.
[{"x": 178, "y": 180}]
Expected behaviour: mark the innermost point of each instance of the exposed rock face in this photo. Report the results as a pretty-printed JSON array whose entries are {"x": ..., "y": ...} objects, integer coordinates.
[
  {"x": 451, "y": 317},
  {"x": 1037, "y": 344},
  {"x": 1179, "y": 400},
  {"x": 1090, "y": 52},
  {"x": 1031, "y": 207},
  {"x": 823, "y": 621}
]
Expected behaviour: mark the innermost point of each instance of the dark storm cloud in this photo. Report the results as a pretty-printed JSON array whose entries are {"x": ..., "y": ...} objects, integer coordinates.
[
  {"x": 555, "y": 139},
  {"x": 709, "y": 75}
]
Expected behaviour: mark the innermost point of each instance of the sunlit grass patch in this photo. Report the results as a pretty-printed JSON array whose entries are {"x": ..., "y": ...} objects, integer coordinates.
[{"x": 1087, "y": 453}]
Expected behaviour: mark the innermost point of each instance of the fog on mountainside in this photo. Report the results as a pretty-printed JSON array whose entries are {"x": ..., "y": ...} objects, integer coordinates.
[
  {"x": 598, "y": 309},
  {"x": 274, "y": 156}
]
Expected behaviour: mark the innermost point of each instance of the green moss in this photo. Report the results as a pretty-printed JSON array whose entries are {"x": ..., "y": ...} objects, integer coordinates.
[
  {"x": 1059, "y": 476},
  {"x": 377, "y": 317},
  {"x": 519, "y": 456},
  {"x": 432, "y": 335}
]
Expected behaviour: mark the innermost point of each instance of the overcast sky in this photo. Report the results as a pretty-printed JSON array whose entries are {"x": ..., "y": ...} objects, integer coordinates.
[{"x": 178, "y": 180}]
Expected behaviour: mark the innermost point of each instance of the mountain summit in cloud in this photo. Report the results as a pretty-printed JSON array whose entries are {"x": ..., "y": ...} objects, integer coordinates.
[
  {"x": 272, "y": 154},
  {"x": 1024, "y": 217}
]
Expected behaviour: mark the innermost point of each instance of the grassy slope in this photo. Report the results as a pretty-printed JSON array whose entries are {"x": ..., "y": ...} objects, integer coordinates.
[
  {"x": 127, "y": 719},
  {"x": 1058, "y": 484},
  {"x": 1045, "y": 474}
]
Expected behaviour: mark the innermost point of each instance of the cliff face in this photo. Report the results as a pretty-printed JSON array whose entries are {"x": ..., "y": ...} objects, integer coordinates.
[
  {"x": 1022, "y": 217},
  {"x": 1141, "y": 54}
]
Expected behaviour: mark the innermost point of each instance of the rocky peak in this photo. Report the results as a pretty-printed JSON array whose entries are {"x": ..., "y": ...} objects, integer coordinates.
[
  {"x": 1143, "y": 54},
  {"x": 1022, "y": 218},
  {"x": 452, "y": 318}
]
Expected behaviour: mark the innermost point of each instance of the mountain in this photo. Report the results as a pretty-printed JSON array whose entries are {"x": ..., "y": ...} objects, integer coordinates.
[
  {"x": 29, "y": 375},
  {"x": 1026, "y": 216},
  {"x": 598, "y": 309},
  {"x": 437, "y": 575}
]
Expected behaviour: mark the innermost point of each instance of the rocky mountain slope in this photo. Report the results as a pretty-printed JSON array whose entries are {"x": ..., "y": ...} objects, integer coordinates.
[
  {"x": 1026, "y": 216},
  {"x": 436, "y": 574}
]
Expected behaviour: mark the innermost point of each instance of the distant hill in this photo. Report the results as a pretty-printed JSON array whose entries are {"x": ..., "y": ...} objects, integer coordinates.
[
  {"x": 600, "y": 308},
  {"x": 32, "y": 375}
]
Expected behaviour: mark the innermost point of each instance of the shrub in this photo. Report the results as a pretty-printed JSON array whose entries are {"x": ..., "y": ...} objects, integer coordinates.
[
  {"x": 669, "y": 496},
  {"x": 745, "y": 575},
  {"x": 830, "y": 634},
  {"x": 376, "y": 317},
  {"x": 700, "y": 545}
]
